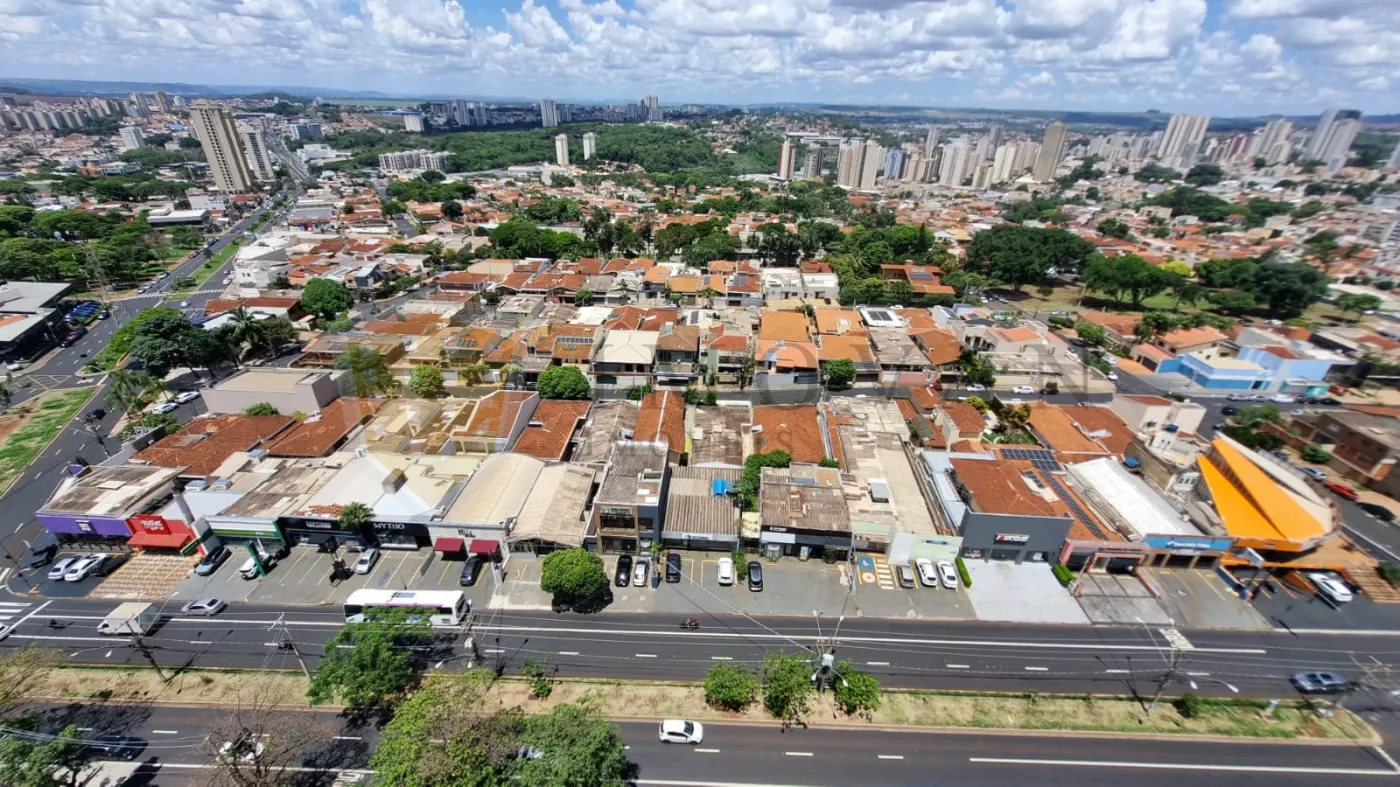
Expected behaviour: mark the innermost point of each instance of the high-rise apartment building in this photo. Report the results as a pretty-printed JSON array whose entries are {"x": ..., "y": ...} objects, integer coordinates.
[
  {"x": 1326, "y": 128},
  {"x": 1052, "y": 149},
  {"x": 990, "y": 141},
  {"x": 131, "y": 138},
  {"x": 306, "y": 130},
  {"x": 561, "y": 150},
  {"x": 413, "y": 122},
  {"x": 654, "y": 113},
  {"x": 954, "y": 167},
  {"x": 217, "y": 133},
  {"x": 812, "y": 165},
  {"x": 1337, "y": 149},
  {"x": 858, "y": 163},
  {"x": 1274, "y": 145},
  {"x": 1004, "y": 164},
  {"x": 254, "y": 143},
  {"x": 894, "y": 164},
  {"x": 590, "y": 145},
  {"x": 1183, "y": 138},
  {"x": 931, "y": 142},
  {"x": 162, "y": 101},
  {"x": 408, "y": 160},
  {"x": 549, "y": 116},
  {"x": 912, "y": 164},
  {"x": 787, "y": 159}
]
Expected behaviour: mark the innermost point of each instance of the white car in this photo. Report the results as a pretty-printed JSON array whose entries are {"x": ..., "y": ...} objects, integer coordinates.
[
  {"x": 165, "y": 407},
  {"x": 948, "y": 574},
  {"x": 1112, "y": 375},
  {"x": 187, "y": 396},
  {"x": 1282, "y": 399},
  {"x": 84, "y": 568},
  {"x": 726, "y": 571},
  {"x": 14, "y": 366},
  {"x": 367, "y": 560},
  {"x": 682, "y": 731},
  {"x": 4, "y": 630},
  {"x": 58, "y": 569},
  {"x": 1023, "y": 389},
  {"x": 928, "y": 577},
  {"x": 976, "y": 387},
  {"x": 1334, "y": 589}
]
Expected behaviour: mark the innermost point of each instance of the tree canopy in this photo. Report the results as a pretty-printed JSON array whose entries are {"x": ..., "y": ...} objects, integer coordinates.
[
  {"x": 376, "y": 668},
  {"x": 562, "y": 382},
  {"x": 1024, "y": 255},
  {"x": 326, "y": 298}
]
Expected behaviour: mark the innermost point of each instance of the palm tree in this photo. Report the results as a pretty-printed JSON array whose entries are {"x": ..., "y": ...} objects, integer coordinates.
[
  {"x": 510, "y": 370},
  {"x": 154, "y": 387},
  {"x": 245, "y": 329},
  {"x": 709, "y": 294},
  {"x": 124, "y": 389}
]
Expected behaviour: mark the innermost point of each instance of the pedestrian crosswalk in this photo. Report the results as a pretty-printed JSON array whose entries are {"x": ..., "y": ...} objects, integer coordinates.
[
  {"x": 884, "y": 575},
  {"x": 10, "y": 610}
]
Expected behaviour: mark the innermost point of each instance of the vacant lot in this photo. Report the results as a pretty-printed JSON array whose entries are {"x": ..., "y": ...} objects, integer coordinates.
[{"x": 30, "y": 426}]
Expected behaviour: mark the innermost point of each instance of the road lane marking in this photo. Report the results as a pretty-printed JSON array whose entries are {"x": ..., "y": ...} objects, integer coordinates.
[
  {"x": 646, "y": 655},
  {"x": 201, "y": 642},
  {"x": 1388, "y": 759},
  {"x": 1037, "y": 669},
  {"x": 1187, "y": 766},
  {"x": 348, "y": 738},
  {"x": 493, "y": 650},
  {"x": 878, "y": 663},
  {"x": 890, "y": 756},
  {"x": 165, "y": 732},
  {"x": 958, "y": 666},
  {"x": 1199, "y": 674},
  {"x": 721, "y": 658},
  {"x": 1118, "y": 671},
  {"x": 568, "y": 653},
  {"x": 708, "y": 751},
  {"x": 798, "y": 753},
  {"x": 968, "y": 643}
]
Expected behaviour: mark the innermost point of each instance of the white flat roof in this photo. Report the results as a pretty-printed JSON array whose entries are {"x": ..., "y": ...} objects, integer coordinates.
[{"x": 1133, "y": 501}]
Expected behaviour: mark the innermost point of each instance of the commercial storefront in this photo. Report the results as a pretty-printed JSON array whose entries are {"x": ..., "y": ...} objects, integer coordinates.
[
  {"x": 796, "y": 542},
  {"x": 319, "y": 532},
  {"x": 158, "y": 534},
  {"x": 1015, "y": 539},
  {"x": 400, "y": 535},
  {"x": 1188, "y": 551},
  {"x": 101, "y": 531},
  {"x": 1111, "y": 556},
  {"x": 234, "y": 533}
]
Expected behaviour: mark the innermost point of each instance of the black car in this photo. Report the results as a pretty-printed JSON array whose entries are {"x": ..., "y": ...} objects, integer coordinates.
[
  {"x": 623, "y": 577},
  {"x": 673, "y": 567},
  {"x": 123, "y": 747},
  {"x": 471, "y": 571},
  {"x": 1378, "y": 511},
  {"x": 1229, "y": 410},
  {"x": 1328, "y": 400},
  {"x": 211, "y": 561},
  {"x": 755, "y": 576}
]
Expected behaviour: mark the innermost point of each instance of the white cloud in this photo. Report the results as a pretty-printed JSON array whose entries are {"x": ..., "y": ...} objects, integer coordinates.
[{"x": 1263, "y": 56}]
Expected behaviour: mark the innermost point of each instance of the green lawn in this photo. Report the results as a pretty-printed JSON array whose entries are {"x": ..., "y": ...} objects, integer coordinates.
[
  {"x": 49, "y": 416},
  {"x": 207, "y": 270}
]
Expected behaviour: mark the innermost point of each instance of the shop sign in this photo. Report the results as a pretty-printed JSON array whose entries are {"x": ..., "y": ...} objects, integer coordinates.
[
  {"x": 1012, "y": 538},
  {"x": 84, "y": 525}
]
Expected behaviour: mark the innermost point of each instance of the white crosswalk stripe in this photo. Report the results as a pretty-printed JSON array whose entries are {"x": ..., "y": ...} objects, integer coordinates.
[{"x": 15, "y": 604}]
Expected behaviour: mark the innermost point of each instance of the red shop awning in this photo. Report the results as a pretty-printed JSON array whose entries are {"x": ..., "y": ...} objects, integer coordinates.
[
  {"x": 148, "y": 539},
  {"x": 481, "y": 546},
  {"x": 448, "y": 545}
]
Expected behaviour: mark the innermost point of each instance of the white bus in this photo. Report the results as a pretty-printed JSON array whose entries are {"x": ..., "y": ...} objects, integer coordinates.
[{"x": 447, "y": 607}]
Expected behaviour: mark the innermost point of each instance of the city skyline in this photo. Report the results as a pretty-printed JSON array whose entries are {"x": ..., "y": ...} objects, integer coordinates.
[{"x": 1256, "y": 57}]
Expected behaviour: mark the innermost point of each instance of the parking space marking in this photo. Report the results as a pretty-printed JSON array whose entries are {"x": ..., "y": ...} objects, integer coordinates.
[{"x": 704, "y": 568}]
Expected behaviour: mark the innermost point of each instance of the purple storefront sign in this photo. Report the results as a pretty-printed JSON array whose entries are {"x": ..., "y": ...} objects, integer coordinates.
[{"x": 86, "y": 525}]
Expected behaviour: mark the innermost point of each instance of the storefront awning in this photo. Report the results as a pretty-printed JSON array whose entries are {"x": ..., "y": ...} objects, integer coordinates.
[
  {"x": 152, "y": 540},
  {"x": 448, "y": 545},
  {"x": 481, "y": 546}
]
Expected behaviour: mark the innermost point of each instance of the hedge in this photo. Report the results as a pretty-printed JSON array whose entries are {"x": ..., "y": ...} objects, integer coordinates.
[{"x": 962, "y": 572}]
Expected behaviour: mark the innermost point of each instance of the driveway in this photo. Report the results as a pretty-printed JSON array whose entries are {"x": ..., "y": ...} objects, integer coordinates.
[{"x": 1198, "y": 599}]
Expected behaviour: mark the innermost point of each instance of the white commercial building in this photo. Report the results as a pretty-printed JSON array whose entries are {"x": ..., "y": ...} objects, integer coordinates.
[
  {"x": 406, "y": 160},
  {"x": 561, "y": 150},
  {"x": 413, "y": 123},
  {"x": 131, "y": 138},
  {"x": 590, "y": 145}
]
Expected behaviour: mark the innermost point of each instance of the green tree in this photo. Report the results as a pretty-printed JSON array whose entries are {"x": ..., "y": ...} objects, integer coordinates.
[
  {"x": 787, "y": 686},
  {"x": 577, "y": 746},
  {"x": 1232, "y": 301},
  {"x": 752, "y": 477},
  {"x": 354, "y": 516},
  {"x": 1316, "y": 454},
  {"x": 1289, "y": 288},
  {"x": 1114, "y": 228},
  {"x": 730, "y": 687},
  {"x": 369, "y": 373},
  {"x": 27, "y": 760},
  {"x": 1205, "y": 175},
  {"x": 838, "y": 373},
  {"x": 124, "y": 389},
  {"x": 573, "y": 575},
  {"x": 1356, "y": 303},
  {"x": 1253, "y": 416},
  {"x": 563, "y": 382},
  {"x": 856, "y": 691},
  {"x": 376, "y": 669},
  {"x": 261, "y": 408},
  {"x": 451, "y": 210},
  {"x": 1091, "y": 333},
  {"x": 426, "y": 381},
  {"x": 326, "y": 298},
  {"x": 583, "y": 297}
]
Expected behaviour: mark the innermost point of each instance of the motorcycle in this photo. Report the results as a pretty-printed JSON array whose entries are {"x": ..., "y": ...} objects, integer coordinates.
[{"x": 690, "y": 624}]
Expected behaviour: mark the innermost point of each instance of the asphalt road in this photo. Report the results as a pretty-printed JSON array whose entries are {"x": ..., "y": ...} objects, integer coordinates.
[
  {"x": 179, "y": 742},
  {"x": 901, "y": 653}
]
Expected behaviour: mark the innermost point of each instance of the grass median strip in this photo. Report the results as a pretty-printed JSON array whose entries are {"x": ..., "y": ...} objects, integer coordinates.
[
  {"x": 32, "y": 425},
  {"x": 1229, "y": 718}
]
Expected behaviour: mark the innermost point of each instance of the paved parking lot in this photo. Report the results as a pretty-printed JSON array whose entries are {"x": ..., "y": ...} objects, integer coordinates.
[
  {"x": 1199, "y": 599},
  {"x": 1020, "y": 593},
  {"x": 1119, "y": 599},
  {"x": 1290, "y": 608}
]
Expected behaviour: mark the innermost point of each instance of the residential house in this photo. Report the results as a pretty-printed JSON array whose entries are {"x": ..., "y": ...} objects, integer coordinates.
[
  {"x": 677, "y": 355},
  {"x": 551, "y": 428},
  {"x": 662, "y": 420},
  {"x": 793, "y": 428},
  {"x": 497, "y": 422},
  {"x": 625, "y": 359},
  {"x": 1364, "y": 445}
]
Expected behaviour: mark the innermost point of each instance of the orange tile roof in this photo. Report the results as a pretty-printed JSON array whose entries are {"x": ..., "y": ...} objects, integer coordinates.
[
  {"x": 925, "y": 399},
  {"x": 662, "y": 419},
  {"x": 784, "y": 326},
  {"x": 1093, "y": 419},
  {"x": 1186, "y": 338},
  {"x": 1054, "y": 427},
  {"x": 1017, "y": 334},
  {"x": 839, "y": 321},
  {"x": 788, "y": 355},
  {"x": 1121, "y": 324},
  {"x": 966, "y": 418},
  {"x": 939, "y": 346},
  {"x": 495, "y": 414},
  {"x": 793, "y": 428},
  {"x": 204, "y": 443},
  {"x": 657, "y": 275},
  {"x": 850, "y": 348},
  {"x": 320, "y": 436},
  {"x": 557, "y": 419}
]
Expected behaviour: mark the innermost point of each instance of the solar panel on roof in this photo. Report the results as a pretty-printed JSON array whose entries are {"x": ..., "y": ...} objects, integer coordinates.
[
  {"x": 1048, "y": 465},
  {"x": 879, "y": 315},
  {"x": 920, "y": 275},
  {"x": 1074, "y": 507}
]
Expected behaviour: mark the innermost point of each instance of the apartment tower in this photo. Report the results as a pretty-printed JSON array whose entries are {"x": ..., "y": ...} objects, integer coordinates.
[{"x": 218, "y": 135}]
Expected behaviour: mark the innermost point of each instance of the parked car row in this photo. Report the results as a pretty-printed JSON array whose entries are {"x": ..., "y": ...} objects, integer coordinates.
[
  {"x": 77, "y": 568},
  {"x": 930, "y": 574}
]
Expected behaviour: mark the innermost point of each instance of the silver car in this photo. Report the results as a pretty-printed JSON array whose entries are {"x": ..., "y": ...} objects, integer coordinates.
[
  {"x": 57, "y": 570},
  {"x": 204, "y": 606}
]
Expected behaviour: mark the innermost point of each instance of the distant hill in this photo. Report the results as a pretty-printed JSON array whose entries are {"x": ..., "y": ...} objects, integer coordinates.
[{"x": 84, "y": 87}]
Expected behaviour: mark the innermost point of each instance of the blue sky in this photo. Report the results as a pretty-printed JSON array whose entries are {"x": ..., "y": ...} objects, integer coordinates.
[{"x": 1220, "y": 57}]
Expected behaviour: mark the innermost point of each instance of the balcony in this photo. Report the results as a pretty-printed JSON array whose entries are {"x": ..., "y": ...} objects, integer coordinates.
[{"x": 679, "y": 369}]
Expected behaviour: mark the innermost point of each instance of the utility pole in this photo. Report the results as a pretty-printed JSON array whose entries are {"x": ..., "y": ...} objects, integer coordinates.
[
  {"x": 146, "y": 651},
  {"x": 1173, "y": 668},
  {"x": 285, "y": 642}
]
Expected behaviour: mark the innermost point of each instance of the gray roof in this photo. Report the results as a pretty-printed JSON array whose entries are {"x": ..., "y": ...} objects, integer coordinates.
[
  {"x": 718, "y": 435},
  {"x": 624, "y": 483},
  {"x": 118, "y": 491},
  {"x": 693, "y": 507},
  {"x": 805, "y": 499},
  {"x": 553, "y": 511},
  {"x": 607, "y": 423}
]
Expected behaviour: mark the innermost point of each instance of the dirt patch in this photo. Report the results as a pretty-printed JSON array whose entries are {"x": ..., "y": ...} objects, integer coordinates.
[{"x": 202, "y": 687}]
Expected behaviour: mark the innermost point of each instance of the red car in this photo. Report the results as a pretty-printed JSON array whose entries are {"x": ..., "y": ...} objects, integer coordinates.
[{"x": 1341, "y": 490}]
